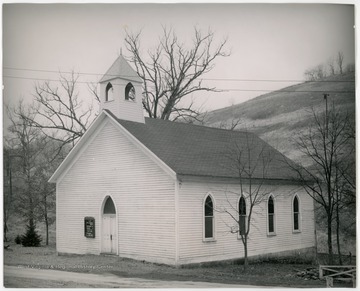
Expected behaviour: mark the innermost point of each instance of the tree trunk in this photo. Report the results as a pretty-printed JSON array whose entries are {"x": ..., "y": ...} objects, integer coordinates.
[
  {"x": 31, "y": 213},
  {"x": 246, "y": 261},
  {"x": 46, "y": 220},
  {"x": 5, "y": 220},
  {"x": 5, "y": 229},
  {"x": 47, "y": 229},
  {"x": 31, "y": 210},
  {"x": 329, "y": 232},
  {"x": 7, "y": 206},
  {"x": 338, "y": 229}
]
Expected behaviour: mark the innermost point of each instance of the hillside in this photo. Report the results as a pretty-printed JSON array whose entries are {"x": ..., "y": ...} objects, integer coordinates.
[{"x": 278, "y": 117}]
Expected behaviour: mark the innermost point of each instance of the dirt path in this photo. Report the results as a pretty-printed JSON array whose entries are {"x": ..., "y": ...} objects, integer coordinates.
[{"x": 28, "y": 277}]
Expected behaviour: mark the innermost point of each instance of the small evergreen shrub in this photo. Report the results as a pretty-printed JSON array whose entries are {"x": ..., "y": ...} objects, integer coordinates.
[
  {"x": 31, "y": 238},
  {"x": 18, "y": 239}
]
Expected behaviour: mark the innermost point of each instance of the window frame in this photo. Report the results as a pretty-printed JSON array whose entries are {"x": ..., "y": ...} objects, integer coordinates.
[
  {"x": 298, "y": 214},
  {"x": 109, "y": 87},
  {"x": 208, "y": 239},
  {"x": 271, "y": 233},
  {"x": 129, "y": 86},
  {"x": 242, "y": 216},
  {"x": 111, "y": 205}
]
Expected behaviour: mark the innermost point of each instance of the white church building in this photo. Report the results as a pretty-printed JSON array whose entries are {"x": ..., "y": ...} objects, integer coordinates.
[{"x": 159, "y": 191}]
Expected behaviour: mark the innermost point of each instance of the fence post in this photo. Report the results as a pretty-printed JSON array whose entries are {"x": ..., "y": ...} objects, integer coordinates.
[
  {"x": 321, "y": 274},
  {"x": 329, "y": 282}
]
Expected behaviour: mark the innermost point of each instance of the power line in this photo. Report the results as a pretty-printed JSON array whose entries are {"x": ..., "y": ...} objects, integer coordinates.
[
  {"x": 234, "y": 90},
  {"x": 49, "y": 71},
  {"x": 263, "y": 80},
  {"x": 205, "y": 79},
  {"x": 40, "y": 79},
  {"x": 287, "y": 91}
]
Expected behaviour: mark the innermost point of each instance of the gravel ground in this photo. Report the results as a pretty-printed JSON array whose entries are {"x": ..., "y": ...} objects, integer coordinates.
[
  {"x": 281, "y": 274},
  {"x": 13, "y": 282}
]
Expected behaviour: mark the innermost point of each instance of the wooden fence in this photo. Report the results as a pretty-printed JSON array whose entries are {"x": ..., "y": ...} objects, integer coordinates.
[{"x": 340, "y": 273}]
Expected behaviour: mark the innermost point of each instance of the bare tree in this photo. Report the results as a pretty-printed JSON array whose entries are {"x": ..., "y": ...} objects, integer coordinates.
[
  {"x": 231, "y": 124},
  {"x": 326, "y": 145},
  {"x": 340, "y": 61},
  {"x": 30, "y": 163},
  {"x": 251, "y": 167},
  {"x": 316, "y": 73},
  {"x": 331, "y": 65},
  {"x": 345, "y": 183},
  {"x": 7, "y": 189},
  {"x": 320, "y": 72},
  {"x": 93, "y": 90},
  {"x": 46, "y": 206},
  {"x": 310, "y": 75},
  {"x": 59, "y": 112},
  {"x": 27, "y": 144},
  {"x": 46, "y": 191},
  {"x": 12, "y": 167},
  {"x": 173, "y": 70},
  {"x": 350, "y": 68}
]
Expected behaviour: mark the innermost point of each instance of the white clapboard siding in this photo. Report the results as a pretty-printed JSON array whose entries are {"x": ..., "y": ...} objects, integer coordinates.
[
  {"x": 127, "y": 109},
  {"x": 227, "y": 245},
  {"x": 142, "y": 192}
]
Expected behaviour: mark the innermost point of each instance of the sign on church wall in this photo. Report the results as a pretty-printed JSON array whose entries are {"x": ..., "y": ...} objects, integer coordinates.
[{"x": 89, "y": 227}]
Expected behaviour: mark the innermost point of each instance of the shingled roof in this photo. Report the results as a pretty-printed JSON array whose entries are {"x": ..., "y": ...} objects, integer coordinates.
[
  {"x": 204, "y": 151},
  {"x": 120, "y": 68}
]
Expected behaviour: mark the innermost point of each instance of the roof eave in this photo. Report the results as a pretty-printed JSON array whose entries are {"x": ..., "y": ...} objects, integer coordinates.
[
  {"x": 134, "y": 79},
  {"x": 234, "y": 178}
]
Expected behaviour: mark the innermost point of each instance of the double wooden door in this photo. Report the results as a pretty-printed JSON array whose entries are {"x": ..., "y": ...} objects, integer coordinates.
[{"x": 109, "y": 234}]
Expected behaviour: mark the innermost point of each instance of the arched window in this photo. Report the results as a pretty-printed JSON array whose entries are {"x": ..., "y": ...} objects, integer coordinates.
[
  {"x": 209, "y": 218},
  {"x": 129, "y": 92},
  {"x": 271, "y": 215},
  {"x": 242, "y": 216},
  {"x": 109, "y": 207},
  {"x": 296, "y": 214},
  {"x": 109, "y": 92}
]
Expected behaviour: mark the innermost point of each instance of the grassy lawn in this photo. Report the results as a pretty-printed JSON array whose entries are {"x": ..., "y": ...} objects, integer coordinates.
[
  {"x": 281, "y": 273},
  {"x": 273, "y": 273}
]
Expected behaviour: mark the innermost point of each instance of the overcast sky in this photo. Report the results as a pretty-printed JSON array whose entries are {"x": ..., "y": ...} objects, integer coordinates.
[{"x": 267, "y": 41}]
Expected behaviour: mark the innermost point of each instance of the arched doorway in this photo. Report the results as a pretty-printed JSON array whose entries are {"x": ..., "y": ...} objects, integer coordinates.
[{"x": 109, "y": 233}]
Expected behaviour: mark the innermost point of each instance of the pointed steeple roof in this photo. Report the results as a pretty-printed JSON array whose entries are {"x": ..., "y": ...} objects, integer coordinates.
[{"x": 121, "y": 69}]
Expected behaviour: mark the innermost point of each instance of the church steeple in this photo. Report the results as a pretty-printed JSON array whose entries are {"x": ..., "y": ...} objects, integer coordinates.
[{"x": 121, "y": 91}]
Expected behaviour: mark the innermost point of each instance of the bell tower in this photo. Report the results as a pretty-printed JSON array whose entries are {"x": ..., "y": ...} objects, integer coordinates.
[{"x": 121, "y": 91}]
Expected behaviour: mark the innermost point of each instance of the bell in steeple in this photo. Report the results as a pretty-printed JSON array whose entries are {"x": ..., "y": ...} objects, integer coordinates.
[{"x": 121, "y": 91}]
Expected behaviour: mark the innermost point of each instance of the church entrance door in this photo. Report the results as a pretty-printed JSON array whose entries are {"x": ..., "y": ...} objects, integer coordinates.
[{"x": 109, "y": 233}]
